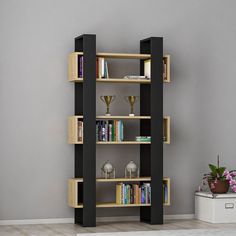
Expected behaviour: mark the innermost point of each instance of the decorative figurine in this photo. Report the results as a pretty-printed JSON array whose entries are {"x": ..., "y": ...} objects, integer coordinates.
[
  {"x": 108, "y": 99},
  {"x": 108, "y": 171},
  {"x": 131, "y": 170},
  {"x": 131, "y": 100}
]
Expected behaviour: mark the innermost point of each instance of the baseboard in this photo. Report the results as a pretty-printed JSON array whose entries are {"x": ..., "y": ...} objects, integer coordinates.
[
  {"x": 99, "y": 219},
  {"x": 37, "y": 221}
]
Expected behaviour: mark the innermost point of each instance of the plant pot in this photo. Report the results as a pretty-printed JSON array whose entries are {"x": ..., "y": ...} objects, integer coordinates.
[{"x": 221, "y": 186}]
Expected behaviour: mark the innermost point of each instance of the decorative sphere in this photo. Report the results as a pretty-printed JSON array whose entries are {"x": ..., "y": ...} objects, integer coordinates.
[
  {"x": 131, "y": 166},
  {"x": 107, "y": 167}
]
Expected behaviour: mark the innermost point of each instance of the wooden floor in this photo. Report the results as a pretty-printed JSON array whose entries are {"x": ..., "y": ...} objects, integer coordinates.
[{"x": 72, "y": 230}]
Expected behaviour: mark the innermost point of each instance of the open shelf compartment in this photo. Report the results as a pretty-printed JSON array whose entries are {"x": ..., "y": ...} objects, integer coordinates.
[
  {"x": 73, "y": 128},
  {"x": 73, "y": 192},
  {"x": 73, "y": 75}
]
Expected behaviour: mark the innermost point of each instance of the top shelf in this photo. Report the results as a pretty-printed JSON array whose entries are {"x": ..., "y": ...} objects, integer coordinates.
[{"x": 119, "y": 55}]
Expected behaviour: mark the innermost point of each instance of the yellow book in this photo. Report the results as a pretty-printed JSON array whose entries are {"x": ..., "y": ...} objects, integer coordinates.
[{"x": 118, "y": 193}]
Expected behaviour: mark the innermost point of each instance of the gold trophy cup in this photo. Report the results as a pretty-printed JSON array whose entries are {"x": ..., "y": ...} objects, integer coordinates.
[
  {"x": 108, "y": 99},
  {"x": 131, "y": 100}
]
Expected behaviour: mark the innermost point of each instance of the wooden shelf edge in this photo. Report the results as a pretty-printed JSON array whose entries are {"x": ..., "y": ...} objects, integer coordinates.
[
  {"x": 114, "y": 205},
  {"x": 117, "y": 80},
  {"x": 121, "y": 55},
  {"x": 80, "y": 180},
  {"x": 118, "y": 143}
]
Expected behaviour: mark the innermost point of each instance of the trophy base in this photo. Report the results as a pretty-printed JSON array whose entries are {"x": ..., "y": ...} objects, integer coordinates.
[
  {"x": 131, "y": 114},
  {"x": 107, "y": 114}
]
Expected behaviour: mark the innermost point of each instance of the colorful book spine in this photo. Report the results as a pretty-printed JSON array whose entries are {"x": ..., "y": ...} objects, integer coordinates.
[
  {"x": 81, "y": 63},
  {"x": 133, "y": 194},
  {"x": 107, "y": 131}
]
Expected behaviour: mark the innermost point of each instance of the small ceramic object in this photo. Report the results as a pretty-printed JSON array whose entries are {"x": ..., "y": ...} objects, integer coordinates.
[
  {"x": 131, "y": 170},
  {"x": 108, "y": 171}
]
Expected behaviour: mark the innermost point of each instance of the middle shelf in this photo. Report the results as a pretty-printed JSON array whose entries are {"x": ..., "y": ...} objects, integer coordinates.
[{"x": 73, "y": 129}]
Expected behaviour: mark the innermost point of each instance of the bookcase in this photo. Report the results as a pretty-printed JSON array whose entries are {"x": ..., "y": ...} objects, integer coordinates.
[{"x": 82, "y": 188}]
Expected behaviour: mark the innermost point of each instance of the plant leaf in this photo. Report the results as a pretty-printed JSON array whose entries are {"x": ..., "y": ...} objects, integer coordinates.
[
  {"x": 221, "y": 170},
  {"x": 213, "y": 169}
]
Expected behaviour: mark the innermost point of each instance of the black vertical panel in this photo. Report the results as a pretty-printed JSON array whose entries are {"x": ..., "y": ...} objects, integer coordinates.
[
  {"x": 85, "y": 155},
  {"x": 151, "y": 157},
  {"x": 78, "y": 167}
]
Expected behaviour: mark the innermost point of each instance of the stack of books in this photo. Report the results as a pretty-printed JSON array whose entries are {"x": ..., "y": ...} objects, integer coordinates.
[
  {"x": 80, "y": 131},
  {"x": 133, "y": 193},
  {"x": 143, "y": 138},
  {"x": 136, "y": 77},
  {"x": 101, "y": 68},
  {"x": 109, "y": 130}
]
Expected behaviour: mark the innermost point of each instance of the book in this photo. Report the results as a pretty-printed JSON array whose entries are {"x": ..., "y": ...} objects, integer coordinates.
[
  {"x": 135, "y": 77},
  {"x": 147, "y": 68},
  {"x": 80, "y": 131},
  {"x": 101, "y": 67},
  {"x": 119, "y": 189}
]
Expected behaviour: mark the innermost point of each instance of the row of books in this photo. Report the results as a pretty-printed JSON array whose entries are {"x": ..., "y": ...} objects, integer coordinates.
[
  {"x": 147, "y": 69},
  {"x": 101, "y": 67},
  {"x": 109, "y": 130},
  {"x": 133, "y": 193}
]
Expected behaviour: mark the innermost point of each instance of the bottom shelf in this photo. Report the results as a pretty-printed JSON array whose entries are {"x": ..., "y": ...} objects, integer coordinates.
[
  {"x": 113, "y": 204},
  {"x": 73, "y": 193}
]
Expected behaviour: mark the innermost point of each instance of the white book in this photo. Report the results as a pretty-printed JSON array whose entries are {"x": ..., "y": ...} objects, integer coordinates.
[{"x": 147, "y": 68}]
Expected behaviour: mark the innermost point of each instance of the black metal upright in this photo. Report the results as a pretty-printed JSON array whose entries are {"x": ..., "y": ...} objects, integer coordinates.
[
  {"x": 151, "y": 103},
  {"x": 85, "y": 155}
]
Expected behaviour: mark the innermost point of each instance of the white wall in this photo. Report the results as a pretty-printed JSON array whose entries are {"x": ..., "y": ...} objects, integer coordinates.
[{"x": 36, "y": 99}]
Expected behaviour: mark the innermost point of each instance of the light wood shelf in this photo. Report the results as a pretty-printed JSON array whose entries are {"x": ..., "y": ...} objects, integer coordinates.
[
  {"x": 166, "y": 59},
  {"x": 114, "y": 80},
  {"x": 73, "y": 192},
  {"x": 166, "y": 129},
  {"x": 123, "y": 142},
  {"x": 80, "y": 180},
  {"x": 73, "y": 67},
  {"x": 102, "y": 180},
  {"x": 113, "y": 205},
  {"x": 117, "y": 55},
  {"x": 117, "y": 117},
  {"x": 73, "y": 129}
]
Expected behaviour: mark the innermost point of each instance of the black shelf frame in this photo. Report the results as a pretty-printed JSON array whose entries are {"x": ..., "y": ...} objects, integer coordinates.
[
  {"x": 151, "y": 156},
  {"x": 151, "y": 102},
  {"x": 85, "y": 155}
]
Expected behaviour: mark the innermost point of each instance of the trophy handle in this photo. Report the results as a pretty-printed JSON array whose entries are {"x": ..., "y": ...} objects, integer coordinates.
[
  {"x": 113, "y": 98},
  {"x": 102, "y": 98}
]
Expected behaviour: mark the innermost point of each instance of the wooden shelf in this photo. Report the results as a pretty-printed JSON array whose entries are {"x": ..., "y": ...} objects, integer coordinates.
[
  {"x": 166, "y": 129},
  {"x": 122, "y": 117},
  {"x": 123, "y": 142},
  {"x": 114, "y": 205},
  {"x": 73, "y": 129},
  {"x": 80, "y": 180},
  {"x": 73, "y": 68},
  {"x": 117, "y": 55},
  {"x": 117, "y": 117},
  {"x": 73, "y": 192},
  {"x": 101, "y": 180},
  {"x": 166, "y": 59},
  {"x": 115, "y": 80}
]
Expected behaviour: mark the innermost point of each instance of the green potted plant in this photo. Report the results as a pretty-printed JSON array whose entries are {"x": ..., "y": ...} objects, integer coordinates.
[{"x": 219, "y": 179}]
